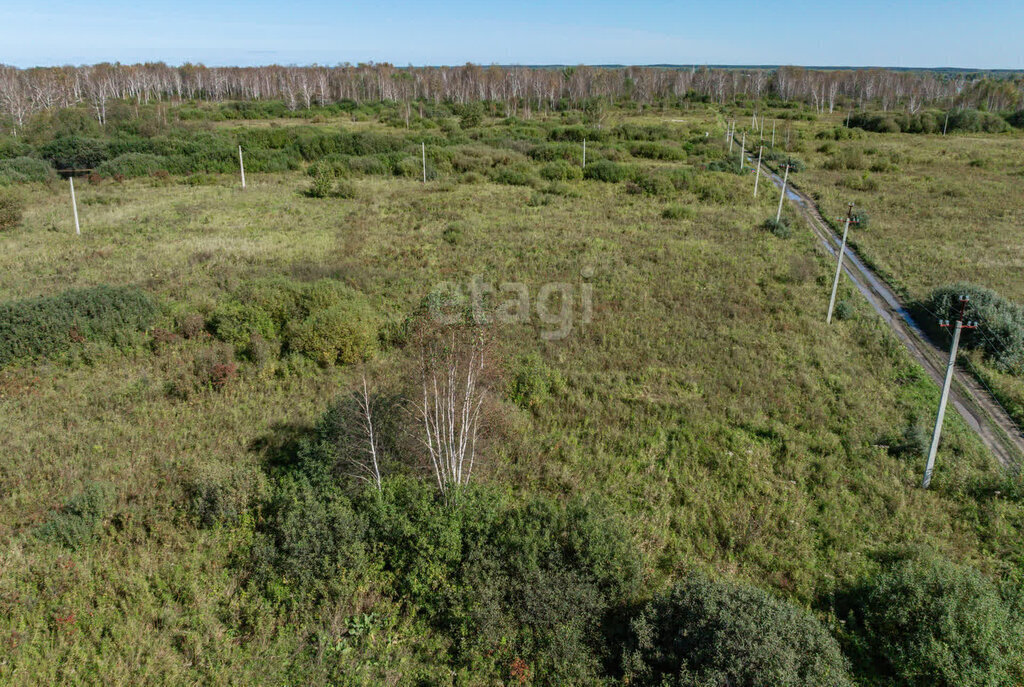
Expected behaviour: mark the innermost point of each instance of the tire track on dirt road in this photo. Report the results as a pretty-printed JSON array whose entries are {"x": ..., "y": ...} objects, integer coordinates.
[{"x": 979, "y": 409}]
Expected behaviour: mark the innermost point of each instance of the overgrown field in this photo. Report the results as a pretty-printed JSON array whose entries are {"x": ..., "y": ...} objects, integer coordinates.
[
  {"x": 941, "y": 210},
  {"x": 179, "y": 499}
]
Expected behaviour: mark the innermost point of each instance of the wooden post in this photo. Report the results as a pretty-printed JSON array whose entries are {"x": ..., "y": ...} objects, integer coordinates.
[
  {"x": 241, "y": 166},
  {"x": 74, "y": 206},
  {"x": 758, "y": 177},
  {"x": 782, "y": 196}
]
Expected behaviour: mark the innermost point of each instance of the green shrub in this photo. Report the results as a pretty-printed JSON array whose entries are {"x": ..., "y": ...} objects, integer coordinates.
[
  {"x": 561, "y": 170},
  {"x": 133, "y": 165},
  {"x": 656, "y": 151},
  {"x": 844, "y": 310},
  {"x": 652, "y": 182},
  {"x": 926, "y": 621},
  {"x": 1001, "y": 321},
  {"x": 518, "y": 174},
  {"x": 778, "y": 227},
  {"x": 642, "y": 132},
  {"x": 606, "y": 171},
  {"x": 678, "y": 212},
  {"x": 310, "y": 543},
  {"x": 369, "y": 165},
  {"x": 323, "y": 184},
  {"x": 532, "y": 580},
  {"x": 344, "y": 333},
  {"x": 75, "y": 152},
  {"x": 23, "y": 169},
  {"x": 576, "y": 133},
  {"x": 46, "y": 327},
  {"x": 235, "y": 323},
  {"x": 708, "y": 632},
  {"x": 77, "y": 523},
  {"x": 551, "y": 152},
  {"x": 11, "y": 207}
]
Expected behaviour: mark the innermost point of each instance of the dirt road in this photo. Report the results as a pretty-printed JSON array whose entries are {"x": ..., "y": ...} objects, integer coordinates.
[{"x": 976, "y": 405}]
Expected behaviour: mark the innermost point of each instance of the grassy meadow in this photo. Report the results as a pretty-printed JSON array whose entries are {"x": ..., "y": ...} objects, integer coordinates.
[{"x": 705, "y": 407}]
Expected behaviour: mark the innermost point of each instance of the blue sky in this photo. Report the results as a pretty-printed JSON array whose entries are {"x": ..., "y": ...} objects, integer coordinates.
[{"x": 902, "y": 34}]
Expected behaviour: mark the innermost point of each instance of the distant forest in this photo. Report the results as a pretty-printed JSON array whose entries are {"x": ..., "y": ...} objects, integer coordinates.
[{"x": 519, "y": 90}]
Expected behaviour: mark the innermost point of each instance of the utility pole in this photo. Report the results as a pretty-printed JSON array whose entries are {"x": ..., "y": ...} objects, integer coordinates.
[
  {"x": 424, "y": 149},
  {"x": 945, "y": 123},
  {"x": 782, "y": 196},
  {"x": 241, "y": 166},
  {"x": 945, "y": 388},
  {"x": 773, "y": 134},
  {"x": 743, "y": 149},
  {"x": 839, "y": 264},
  {"x": 584, "y": 153},
  {"x": 74, "y": 205},
  {"x": 757, "y": 178}
]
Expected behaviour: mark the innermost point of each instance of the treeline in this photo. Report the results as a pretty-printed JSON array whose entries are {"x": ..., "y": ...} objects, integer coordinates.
[
  {"x": 520, "y": 90},
  {"x": 931, "y": 122}
]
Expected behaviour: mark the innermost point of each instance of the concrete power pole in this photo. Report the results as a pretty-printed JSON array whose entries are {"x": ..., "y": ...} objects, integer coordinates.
[
  {"x": 74, "y": 206},
  {"x": 945, "y": 388},
  {"x": 839, "y": 265},
  {"x": 782, "y": 196},
  {"x": 757, "y": 178},
  {"x": 424, "y": 150},
  {"x": 241, "y": 166},
  {"x": 584, "y": 153}
]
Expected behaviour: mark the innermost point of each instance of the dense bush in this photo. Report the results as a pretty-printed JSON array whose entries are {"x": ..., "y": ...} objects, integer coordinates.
[
  {"x": 577, "y": 133},
  {"x": 779, "y": 227},
  {"x": 77, "y": 523},
  {"x": 605, "y": 170},
  {"x": 705, "y": 632},
  {"x": 642, "y": 132},
  {"x": 557, "y": 151},
  {"x": 343, "y": 333},
  {"x": 518, "y": 174},
  {"x": 657, "y": 151},
  {"x": 652, "y": 182},
  {"x": 324, "y": 320},
  {"x": 561, "y": 170},
  {"x": 11, "y": 207},
  {"x": 1001, "y": 322},
  {"x": 972, "y": 121},
  {"x": 926, "y": 621},
  {"x": 75, "y": 152},
  {"x": 49, "y": 326},
  {"x": 236, "y": 323},
  {"x": 840, "y": 133},
  {"x": 20, "y": 169},
  {"x": 502, "y": 579},
  {"x": 133, "y": 165}
]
